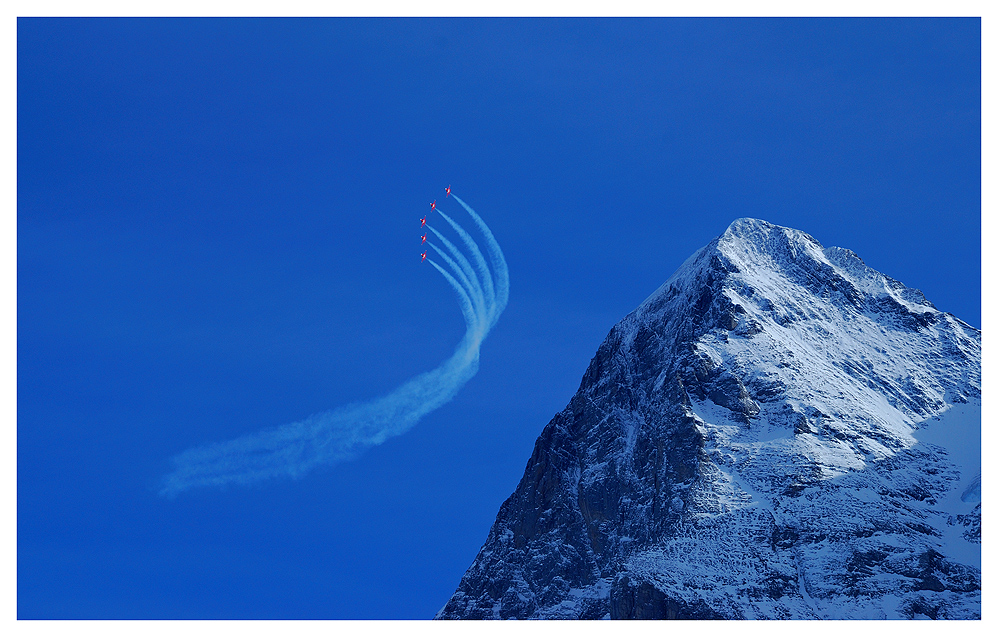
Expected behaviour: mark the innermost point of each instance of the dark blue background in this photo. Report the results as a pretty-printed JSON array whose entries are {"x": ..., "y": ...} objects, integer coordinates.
[{"x": 217, "y": 232}]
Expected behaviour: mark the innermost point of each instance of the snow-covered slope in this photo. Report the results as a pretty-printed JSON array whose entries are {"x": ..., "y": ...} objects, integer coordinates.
[{"x": 778, "y": 431}]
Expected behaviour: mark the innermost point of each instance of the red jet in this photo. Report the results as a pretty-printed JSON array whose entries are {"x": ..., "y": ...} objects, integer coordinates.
[
  {"x": 447, "y": 190},
  {"x": 433, "y": 206},
  {"x": 423, "y": 256},
  {"x": 422, "y": 222},
  {"x": 423, "y": 239}
]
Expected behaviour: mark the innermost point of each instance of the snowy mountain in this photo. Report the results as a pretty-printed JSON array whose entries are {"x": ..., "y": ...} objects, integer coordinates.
[{"x": 779, "y": 431}]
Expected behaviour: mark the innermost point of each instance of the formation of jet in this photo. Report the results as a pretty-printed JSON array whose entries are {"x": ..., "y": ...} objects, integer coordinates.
[{"x": 422, "y": 223}]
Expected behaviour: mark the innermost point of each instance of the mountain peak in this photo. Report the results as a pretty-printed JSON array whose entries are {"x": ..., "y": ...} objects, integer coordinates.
[
  {"x": 750, "y": 228},
  {"x": 759, "y": 256},
  {"x": 779, "y": 431},
  {"x": 747, "y": 235}
]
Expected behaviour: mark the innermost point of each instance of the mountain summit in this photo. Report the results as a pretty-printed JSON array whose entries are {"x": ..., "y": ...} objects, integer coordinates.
[{"x": 779, "y": 431}]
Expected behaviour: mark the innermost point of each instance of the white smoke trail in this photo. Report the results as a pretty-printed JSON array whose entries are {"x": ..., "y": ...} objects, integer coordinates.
[
  {"x": 483, "y": 269},
  {"x": 476, "y": 302},
  {"x": 462, "y": 269},
  {"x": 498, "y": 261},
  {"x": 472, "y": 319},
  {"x": 334, "y": 436}
]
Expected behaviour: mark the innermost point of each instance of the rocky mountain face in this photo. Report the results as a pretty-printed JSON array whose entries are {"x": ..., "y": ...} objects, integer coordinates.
[{"x": 779, "y": 431}]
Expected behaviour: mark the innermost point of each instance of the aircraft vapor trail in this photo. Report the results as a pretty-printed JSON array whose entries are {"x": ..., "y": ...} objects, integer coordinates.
[
  {"x": 472, "y": 318},
  {"x": 469, "y": 278},
  {"x": 497, "y": 258},
  {"x": 333, "y": 436},
  {"x": 483, "y": 269},
  {"x": 475, "y": 300},
  {"x": 481, "y": 312}
]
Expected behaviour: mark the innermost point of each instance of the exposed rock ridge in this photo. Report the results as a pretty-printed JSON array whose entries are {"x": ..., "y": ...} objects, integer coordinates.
[{"x": 748, "y": 444}]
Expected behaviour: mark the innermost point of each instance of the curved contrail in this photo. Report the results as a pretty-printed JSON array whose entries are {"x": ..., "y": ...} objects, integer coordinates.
[
  {"x": 460, "y": 266},
  {"x": 480, "y": 266},
  {"x": 498, "y": 263},
  {"x": 333, "y": 436}
]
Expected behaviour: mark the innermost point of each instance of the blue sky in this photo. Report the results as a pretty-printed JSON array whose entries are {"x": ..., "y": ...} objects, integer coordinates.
[{"x": 218, "y": 233}]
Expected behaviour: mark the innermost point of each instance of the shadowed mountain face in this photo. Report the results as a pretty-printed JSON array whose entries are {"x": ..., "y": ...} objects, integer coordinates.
[{"x": 778, "y": 431}]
